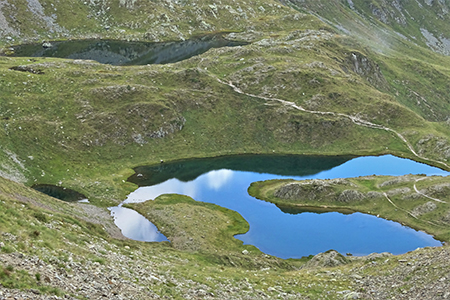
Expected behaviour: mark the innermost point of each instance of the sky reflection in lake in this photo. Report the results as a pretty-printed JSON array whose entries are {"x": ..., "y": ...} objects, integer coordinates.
[{"x": 136, "y": 226}]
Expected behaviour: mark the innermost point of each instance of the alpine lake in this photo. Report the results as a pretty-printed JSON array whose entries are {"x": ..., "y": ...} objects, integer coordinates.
[
  {"x": 285, "y": 233},
  {"x": 123, "y": 53}
]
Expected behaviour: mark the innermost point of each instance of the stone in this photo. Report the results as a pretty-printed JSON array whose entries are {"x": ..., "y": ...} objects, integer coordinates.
[
  {"x": 424, "y": 208},
  {"x": 34, "y": 291},
  {"x": 350, "y": 196},
  {"x": 331, "y": 258}
]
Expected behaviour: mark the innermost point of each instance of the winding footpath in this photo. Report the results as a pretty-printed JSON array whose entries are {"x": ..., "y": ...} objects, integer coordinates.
[
  {"x": 409, "y": 212},
  {"x": 397, "y": 207},
  {"x": 426, "y": 196},
  {"x": 354, "y": 119}
]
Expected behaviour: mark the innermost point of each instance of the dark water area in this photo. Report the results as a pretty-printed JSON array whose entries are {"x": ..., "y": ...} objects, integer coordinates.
[
  {"x": 317, "y": 210},
  {"x": 188, "y": 170},
  {"x": 284, "y": 232},
  {"x": 116, "y": 52},
  {"x": 59, "y": 192}
]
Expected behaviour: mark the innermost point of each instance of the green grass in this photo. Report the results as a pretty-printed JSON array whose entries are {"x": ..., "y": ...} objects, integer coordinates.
[
  {"x": 182, "y": 216},
  {"x": 86, "y": 126}
]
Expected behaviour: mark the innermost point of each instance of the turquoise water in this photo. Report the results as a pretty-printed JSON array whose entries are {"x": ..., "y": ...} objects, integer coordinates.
[{"x": 224, "y": 181}]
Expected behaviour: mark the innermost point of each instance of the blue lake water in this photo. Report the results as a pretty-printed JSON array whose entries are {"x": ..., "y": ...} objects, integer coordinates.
[
  {"x": 275, "y": 232},
  {"x": 135, "y": 226}
]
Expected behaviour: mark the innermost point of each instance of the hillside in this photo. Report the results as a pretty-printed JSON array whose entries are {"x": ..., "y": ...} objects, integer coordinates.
[
  {"x": 48, "y": 252},
  {"x": 386, "y": 26},
  {"x": 314, "y": 77},
  {"x": 350, "y": 99}
]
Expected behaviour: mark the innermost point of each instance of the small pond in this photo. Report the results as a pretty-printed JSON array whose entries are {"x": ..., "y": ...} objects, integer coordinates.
[
  {"x": 290, "y": 234},
  {"x": 60, "y": 192},
  {"x": 116, "y": 52}
]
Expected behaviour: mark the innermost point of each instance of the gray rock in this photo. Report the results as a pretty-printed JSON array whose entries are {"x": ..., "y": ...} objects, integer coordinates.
[
  {"x": 397, "y": 180},
  {"x": 424, "y": 208},
  {"x": 350, "y": 196},
  {"x": 374, "y": 256},
  {"x": 373, "y": 195},
  {"x": 47, "y": 45},
  {"x": 331, "y": 258},
  {"x": 446, "y": 218}
]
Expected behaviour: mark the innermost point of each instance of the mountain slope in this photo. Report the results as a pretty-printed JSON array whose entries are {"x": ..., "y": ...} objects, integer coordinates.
[
  {"x": 387, "y": 25},
  {"x": 320, "y": 77}
]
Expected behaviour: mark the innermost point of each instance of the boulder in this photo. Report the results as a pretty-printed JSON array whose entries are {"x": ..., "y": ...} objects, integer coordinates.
[{"x": 331, "y": 258}]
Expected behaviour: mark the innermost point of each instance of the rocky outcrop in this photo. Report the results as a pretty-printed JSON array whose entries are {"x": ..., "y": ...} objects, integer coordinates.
[
  {"x": 439, "y": 44},
  {"x": 320, "y": 190},
  {"x": 5, "y": 29},
  {"x": 350, "y": 196},
  {"x": 309, "y": 190},
  {"x": 11, "y": 167},
  {"x": 366, "y": 68},
  {"x": 446, "y": 218},
  {"x": 393, "y": 192},
  {"x": 130, "y": 4},
  {"x": 388, "y": 12},
  {"x": 373, "y": 195},
  {"x": 331, "y": 258},
  {"x": 424, "y": 208},
  {"x": 434, "y": 146},
  {"x": 421, "y": 274},
  {"x": 167, "y": 128},
  {"x": 438, "y": 190}
]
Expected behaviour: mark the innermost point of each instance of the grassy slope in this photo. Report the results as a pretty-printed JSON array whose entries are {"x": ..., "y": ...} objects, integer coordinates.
[
  {"x": 382, "y": 25},
  {"x": 413, "y": 72},
  {"x": 72, "y": 131},
  {"x": 78, "y": 124},
  {"x": 85, "y": 125}
]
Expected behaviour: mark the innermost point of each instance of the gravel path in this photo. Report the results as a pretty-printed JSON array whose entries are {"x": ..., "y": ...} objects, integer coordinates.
[{"x": 354, "y": 119}]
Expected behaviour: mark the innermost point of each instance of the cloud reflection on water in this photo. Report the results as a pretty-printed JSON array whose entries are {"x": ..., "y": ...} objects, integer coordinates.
[
  {"x": 217, "y": 179},
  {"x": 135, "y": 226},
  {"x": 214, "y": 180},
  {"x": 172, "y": 186}
]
